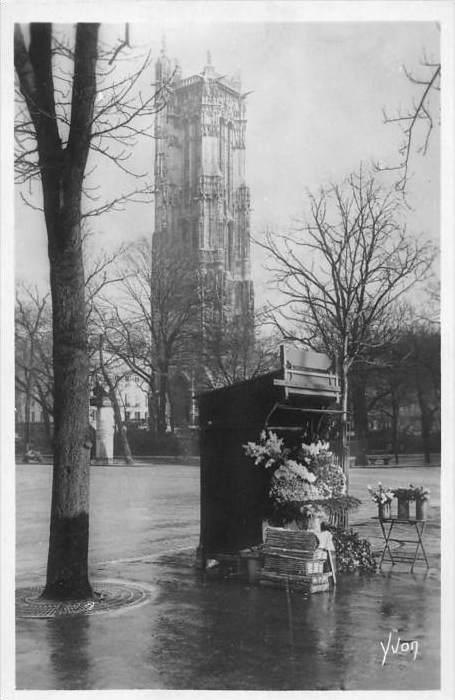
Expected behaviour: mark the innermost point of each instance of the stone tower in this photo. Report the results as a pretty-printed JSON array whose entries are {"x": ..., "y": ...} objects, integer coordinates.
[{"x": 202, "y": 201}]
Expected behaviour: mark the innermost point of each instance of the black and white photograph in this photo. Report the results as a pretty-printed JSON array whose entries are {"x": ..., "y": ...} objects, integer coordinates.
[{"x": 227, "y": 347}]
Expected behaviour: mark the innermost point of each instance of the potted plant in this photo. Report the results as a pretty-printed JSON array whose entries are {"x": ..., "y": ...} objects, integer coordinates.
[
  {"x": 383, "y": 498},
  {"x": 422, "y": 500}
]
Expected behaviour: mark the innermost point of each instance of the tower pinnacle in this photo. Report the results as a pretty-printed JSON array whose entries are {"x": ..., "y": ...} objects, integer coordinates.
[{"x": 209, "y": 71}]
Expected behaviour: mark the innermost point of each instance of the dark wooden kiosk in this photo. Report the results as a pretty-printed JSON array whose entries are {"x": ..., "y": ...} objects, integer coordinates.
[{"x": 295, "y": 401}]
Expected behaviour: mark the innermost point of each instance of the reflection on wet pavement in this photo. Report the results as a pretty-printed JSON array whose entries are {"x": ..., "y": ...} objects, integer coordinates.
[{"x": 203, "y": 633}]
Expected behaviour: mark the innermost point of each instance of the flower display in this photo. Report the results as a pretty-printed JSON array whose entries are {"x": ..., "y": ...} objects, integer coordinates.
[
  {"x": 330, "y": 478},
  {"x": 421, "y": 493},
  {"x": 268, "y": 452},
  {"x": 352, "y": 552},
  {"x": 299, "y": 476},
  {"x": 381, "y": 495},
  {"x": 412, "y": 493},
  {"x": 293, "y": 482}
]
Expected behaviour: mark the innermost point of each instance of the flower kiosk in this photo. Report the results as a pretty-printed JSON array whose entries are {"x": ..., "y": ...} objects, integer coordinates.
[{"x": 271, "y": 470}]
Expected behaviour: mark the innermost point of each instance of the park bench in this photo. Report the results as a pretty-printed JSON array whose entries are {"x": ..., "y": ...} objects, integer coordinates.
[
  {"x": 33, "y": 456},
  {"x": 379, "y": 457}
]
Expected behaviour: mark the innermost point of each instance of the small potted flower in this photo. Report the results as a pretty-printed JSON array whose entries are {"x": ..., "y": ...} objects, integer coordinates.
[
  {"x": 383, "y": 497},
  {"x": 422, "y": 499}
]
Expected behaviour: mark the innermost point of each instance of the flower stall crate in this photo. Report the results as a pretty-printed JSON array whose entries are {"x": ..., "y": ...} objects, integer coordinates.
[
  {"x": 289, "y": 406},
  {"x": 292, "y": 559}
]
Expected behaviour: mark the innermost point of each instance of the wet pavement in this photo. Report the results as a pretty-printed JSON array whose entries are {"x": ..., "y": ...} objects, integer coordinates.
[{"x": 198, "y": 632}]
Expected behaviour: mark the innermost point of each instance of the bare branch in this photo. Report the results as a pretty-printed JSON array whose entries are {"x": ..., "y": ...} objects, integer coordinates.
[{"x": 421, "y": 111}]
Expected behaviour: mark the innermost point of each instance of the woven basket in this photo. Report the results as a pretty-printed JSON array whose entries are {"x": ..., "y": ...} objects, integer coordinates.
[
  {"x": 283, "y": 564},
  {"x": 314, "y": 583},
  {"x": 298, "y": 540}
]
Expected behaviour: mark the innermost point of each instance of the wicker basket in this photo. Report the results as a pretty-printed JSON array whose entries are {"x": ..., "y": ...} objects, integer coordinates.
[
  {"x": 292, "y": 559},
  {"x": 296, "y": 540},
  {"x": 284, "y": 564},
  {"x": 314, "y": 583}
]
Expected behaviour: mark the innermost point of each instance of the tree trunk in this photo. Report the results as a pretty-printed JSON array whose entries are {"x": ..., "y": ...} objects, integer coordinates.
[
  {"x": 360, "y": 412},
  {"x": 344, "y": 421},
  {"x": 152, "y": 409},
  {"x": 46, "y": 415},
  {"x": 27, "y": 405},
  {"x": 67, "y": 566},
  {"x": 62, "y": 171},
  {"x": 426, "y": 422},
  {"x": 121, "y": 428},
  {"x": 47, "y": 427},
  {"x": 162, "y": 424},
  {"x": 360, "y": 409},
  {"x": 395, "y": 425}
]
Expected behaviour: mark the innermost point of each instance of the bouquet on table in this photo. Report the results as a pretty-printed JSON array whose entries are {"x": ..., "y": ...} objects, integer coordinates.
[{"x": 383, "y": 498}]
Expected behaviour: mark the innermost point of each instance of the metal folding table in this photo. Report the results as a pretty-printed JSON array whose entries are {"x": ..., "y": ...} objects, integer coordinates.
[{"x": 419, "y": 527}]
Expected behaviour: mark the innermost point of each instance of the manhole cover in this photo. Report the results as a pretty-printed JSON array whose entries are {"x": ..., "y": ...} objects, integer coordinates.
[{"x": 109, "y": 595}]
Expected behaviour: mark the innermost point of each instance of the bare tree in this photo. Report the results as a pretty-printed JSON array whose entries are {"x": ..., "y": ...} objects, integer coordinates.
[
  {"x": 59, "y": 122},
  {"x": 149, "y": 324},
  {"x": 341, "y": 273},
  {"x": 112, "y": 385},
  {"x": 416, "y": 122},
  {"x": 33, "y": 350},
  {"x": 34, "y": 375},
  {"x": 235, "y": 349}
]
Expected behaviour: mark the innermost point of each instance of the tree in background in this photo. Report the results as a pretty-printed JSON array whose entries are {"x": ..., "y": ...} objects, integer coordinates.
[
  {"x": 152, "y": 321},
  {"x": 33, "y": 357},
  {"x": 34, "y": 375},
  {"x": 71, "y": 104},
  {"x": 235, "y": 348},
  {"x": 416, "y": 121},
  {"x": 425, "y": 346},
  {"x": 341, "y": 273},
  {"x": 105, "y": 369},
  {"x": 399, "y": 383}
]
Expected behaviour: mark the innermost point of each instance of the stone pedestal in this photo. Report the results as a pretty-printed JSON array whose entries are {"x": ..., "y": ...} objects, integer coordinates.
[{"x": 105, "y": 433}]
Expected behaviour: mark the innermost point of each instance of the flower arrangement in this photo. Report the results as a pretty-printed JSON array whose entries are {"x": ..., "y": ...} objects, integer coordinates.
[
  {"x": 268, "y": 452},
  {"x": 413, "y": 493},
  {"x": 303, "y": 479},
  {"x": 352, "y": 552},
  {"x": 420, "y": 493},
  {"x": 293, "y": 482},
  {"x": 381, "y": 495}
]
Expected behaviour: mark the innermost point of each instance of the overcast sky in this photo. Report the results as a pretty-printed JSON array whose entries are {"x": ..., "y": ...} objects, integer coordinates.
[{"x": 314, "y": 114}]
